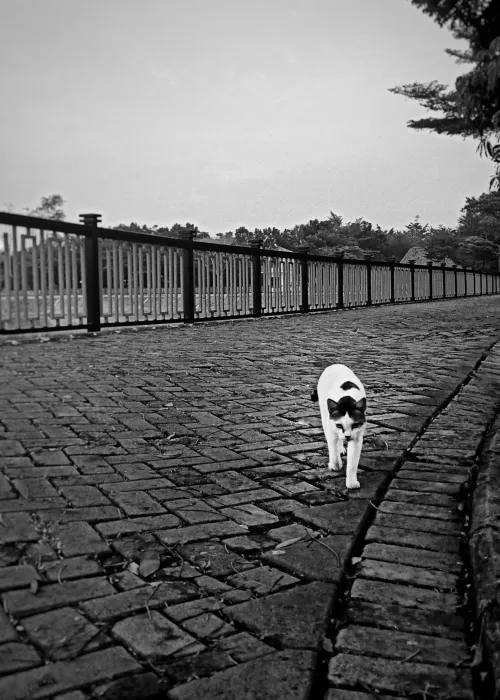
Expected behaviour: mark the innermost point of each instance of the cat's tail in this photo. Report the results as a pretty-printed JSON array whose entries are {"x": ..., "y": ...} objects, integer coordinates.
[{"x": 314, "y": 395}]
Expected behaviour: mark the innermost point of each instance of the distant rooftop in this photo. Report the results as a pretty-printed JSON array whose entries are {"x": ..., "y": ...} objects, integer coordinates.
[{"x": 419, "y": 255}]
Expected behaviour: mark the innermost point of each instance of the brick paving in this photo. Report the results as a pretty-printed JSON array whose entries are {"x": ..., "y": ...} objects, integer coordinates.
[{"x": 168, "y": 527}]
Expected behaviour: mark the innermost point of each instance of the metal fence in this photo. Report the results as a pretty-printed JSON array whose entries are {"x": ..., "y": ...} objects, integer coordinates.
[{"x": 56, "y": 275}]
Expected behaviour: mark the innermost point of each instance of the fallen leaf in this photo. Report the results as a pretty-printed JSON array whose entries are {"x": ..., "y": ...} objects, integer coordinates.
[
  {"x": 149, "y": 564},
  {"x": 133, "y": 568},
  {"x": 356, "y": 560},
  {"x": 34, "y": 586}
]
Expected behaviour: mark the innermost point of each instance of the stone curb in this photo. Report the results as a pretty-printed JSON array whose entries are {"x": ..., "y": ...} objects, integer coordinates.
[{"x": 484, "y": 546}]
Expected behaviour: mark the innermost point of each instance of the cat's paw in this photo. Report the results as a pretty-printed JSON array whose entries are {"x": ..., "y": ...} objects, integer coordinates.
[
  {"x": 335, "y": 466},
  {"x": 352, "y": 484},
  {"x": 342, "y": 450}
]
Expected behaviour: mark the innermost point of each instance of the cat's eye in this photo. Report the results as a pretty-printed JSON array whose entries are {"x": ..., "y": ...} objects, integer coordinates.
[
  {"x": 356, "y": 425},
  {"x": 339, "y": 426}
]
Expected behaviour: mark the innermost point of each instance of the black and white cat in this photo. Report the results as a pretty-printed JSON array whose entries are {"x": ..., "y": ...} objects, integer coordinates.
[{"x": 342, "y": 402}]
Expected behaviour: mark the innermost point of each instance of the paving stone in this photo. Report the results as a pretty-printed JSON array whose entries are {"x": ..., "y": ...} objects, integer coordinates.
[
  {"x": 50, "y": 458},
  {"x": 410, "y": 538},
  {"x": 134, "y": 600},
  {"x": 185, "y": 611},
  {"x": 15, "y": 657},
  {"x": 63, "y": 634},
  {"x": 18, "y": 505},
  {"x": 427, "y": 559},
  {"x": 408, "y": 596},
  {"x": 79, "y": 538},
  {"x": 343, "y": 518},
  {"x": 84, "y": 496},
  {"x": 136, "y": 502},
  {"x": 396, "y": 677},
  {"x": 290, "y": 671},
  {"x": 450, "y": 514},
  {"x": 138, "y": 545},
  {"x": 250, "y": 515},
  {"x": 46, "y": 681},
  {"x": 315, "y": 559},
  {"x": 423, "y": 524},
  {"x": 118, "y": 485},
  {"x": 339, "y": 694},
  {"x": 17, "y": 527},
  {"x": 249, "y": 545},
  {"x": 55, "y": 595},
  {"x": 196, "y": 533},
  {"x": 150, "y": 522},
  {"x": 72, "y": 567},
  {"x": 35, "y": 488},
  {"x": 425, "y": 486},
  {"x": 207, "y": 626},
  {"x": 401, "y": 573},
  {"x": 7, "y": 631},
  {"x": 153, "y": 636},
  {"x": 262, "y": 580},
  {"x": 244, "y": 647},
  {"x": 391, "y": 644},
  {"x": 11, "y": 448},
  {"x": 233, "y": 481},
  {"x": 296, "y": 618},
  {"x": 288, "y": 532},
  {"x": 90, "y": 514},
  {"x": 146, "y": 686},
  {"x": 17, "y": 577},
  {"x": 194, "y": 511}
]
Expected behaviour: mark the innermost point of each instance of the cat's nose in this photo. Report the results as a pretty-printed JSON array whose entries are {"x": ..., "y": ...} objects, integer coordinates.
[{"x": 348, "y": 438}]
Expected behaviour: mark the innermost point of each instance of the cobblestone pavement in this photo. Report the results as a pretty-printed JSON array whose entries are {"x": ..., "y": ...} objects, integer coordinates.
[{"x": 169, "y": 529}]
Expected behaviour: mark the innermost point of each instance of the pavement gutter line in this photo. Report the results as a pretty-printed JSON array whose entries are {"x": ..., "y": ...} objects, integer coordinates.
[{"x": 320, "y": 682}]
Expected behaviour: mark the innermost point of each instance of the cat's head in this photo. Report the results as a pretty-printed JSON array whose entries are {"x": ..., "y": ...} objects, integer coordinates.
[{"x": 348, "y": 415}]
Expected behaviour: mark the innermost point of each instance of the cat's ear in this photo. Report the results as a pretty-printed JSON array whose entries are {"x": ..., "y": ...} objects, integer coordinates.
[
  {"x": 333, "y": 406},
  {"x": 361, "y": 405}
]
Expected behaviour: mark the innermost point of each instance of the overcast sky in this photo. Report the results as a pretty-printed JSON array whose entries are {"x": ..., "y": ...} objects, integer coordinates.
[{"x": 227, "y": 113}]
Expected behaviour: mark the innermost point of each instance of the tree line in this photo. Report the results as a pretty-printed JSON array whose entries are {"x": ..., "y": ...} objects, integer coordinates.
[{"x": 473, "y": 242}]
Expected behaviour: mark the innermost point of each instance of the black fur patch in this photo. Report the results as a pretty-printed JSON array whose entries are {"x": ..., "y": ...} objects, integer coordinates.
[
  {"x": 347, "y": 404},
  {"x": 314, "y": 395},
  {"x": 349, "y": 385}
]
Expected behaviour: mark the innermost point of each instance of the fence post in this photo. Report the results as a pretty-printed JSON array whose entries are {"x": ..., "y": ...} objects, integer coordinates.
[
  {"x": 456, "y": 280},
  {"x": 188, "y": 291},
  {"x": 256, "y": 276},
  {"x": 93, "y": 300},
  {"x": 412, "y": 279},
  {"x": 368, "y": 257},
  {"x": 443, "y": 269},
  {"x": 340, "y": 280},
  {"x": 474, "y": 281},
  {"x": 465, "y": 280},
  {"x": 430, "y": 280},
  {"x": 304, "y": 263},
  {"x": 392, "y": 262}
]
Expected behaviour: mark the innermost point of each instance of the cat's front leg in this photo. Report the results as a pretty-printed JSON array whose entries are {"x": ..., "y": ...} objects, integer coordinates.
[
  {"x": 335, "y": 460},
  {"x": 354, "y": 448}
]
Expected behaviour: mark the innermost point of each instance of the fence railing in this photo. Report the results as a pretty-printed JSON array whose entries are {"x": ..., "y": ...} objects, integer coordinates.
[{"x": 56, "y": 275}]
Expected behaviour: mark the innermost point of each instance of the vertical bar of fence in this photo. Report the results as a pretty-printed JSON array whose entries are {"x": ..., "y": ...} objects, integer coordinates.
[
  {"x": 304, "y": 266},
  {"x": 443, "y": 270},
  {"x": 93, "y": 299},
  {"x": 256, "y": 277},
  {"x": 430, "y": 280},
  {"x": 465, "y": 279},
  {"x": 187, "y": 279},
  {"x": 340, "y": 280},
  {"x": 368, "y": 258},
  {"x": 412, "y": 279},
  {"x": 456, "y": 280},
  {"x": 392, "y": 263},
  {"x": 474, "y": 282}
]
